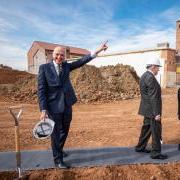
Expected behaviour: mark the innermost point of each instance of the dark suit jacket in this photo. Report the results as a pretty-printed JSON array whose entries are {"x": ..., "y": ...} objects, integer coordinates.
[
  {"x": 51, "y": 86},
  {"x": 151, "y": 103},
  {"x": 179, "y": 103}
]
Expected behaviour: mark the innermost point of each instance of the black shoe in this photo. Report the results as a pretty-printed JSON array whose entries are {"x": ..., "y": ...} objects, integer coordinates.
[
  {"x": 62, "y": 165},
  {"x": 143, "y": 150},
  {"x": 160, "y": 156},
  {"x": 64, "y": 154}
]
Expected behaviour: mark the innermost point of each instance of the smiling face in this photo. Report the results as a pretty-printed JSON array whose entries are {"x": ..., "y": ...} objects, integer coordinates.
[{"x": 59, "y": 54}]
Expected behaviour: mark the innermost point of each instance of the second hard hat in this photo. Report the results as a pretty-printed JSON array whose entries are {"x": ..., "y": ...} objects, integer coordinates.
[{"x": 153, "y": 61}]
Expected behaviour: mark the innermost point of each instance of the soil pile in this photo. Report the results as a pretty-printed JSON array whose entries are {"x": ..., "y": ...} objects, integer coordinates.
[
  {"x": 10, "y": 76},
  {"x": 17, "y": 85},
  {"x": 91, "y": 84},
  {"x": 104, "y": 84},
  {"x": 24, "y": 90},
  {"x": 126, "y": 172}
]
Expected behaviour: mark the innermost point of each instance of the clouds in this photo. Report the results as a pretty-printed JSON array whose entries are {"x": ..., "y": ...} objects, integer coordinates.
[
  {"x": 84, "y": 24},
  {"x": 149, "y": 31},
  {"x": 171, "y": 15}
]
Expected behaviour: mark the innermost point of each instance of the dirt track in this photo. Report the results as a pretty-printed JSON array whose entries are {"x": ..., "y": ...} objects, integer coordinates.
[{"x": 111, "y": 124}]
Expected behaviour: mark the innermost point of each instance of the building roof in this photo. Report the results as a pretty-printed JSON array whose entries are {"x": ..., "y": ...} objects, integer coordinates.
[
  {"x": 51, "y": 46},
  {"x": 136, "y": 51}
]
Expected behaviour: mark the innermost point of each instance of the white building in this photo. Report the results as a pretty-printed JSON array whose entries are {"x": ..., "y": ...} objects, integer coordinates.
[{"x": 138, "y": 60}]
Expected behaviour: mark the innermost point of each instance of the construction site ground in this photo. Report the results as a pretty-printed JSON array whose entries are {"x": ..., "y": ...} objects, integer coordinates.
[{"x": 95, "y": 125}]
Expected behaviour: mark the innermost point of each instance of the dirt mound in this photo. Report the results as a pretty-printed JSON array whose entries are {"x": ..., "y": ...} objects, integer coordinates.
[
  {"x": 10, "y": 76},
  {"x": 143, "y": 172},
  {"x": 123, "y": 81},
  {"x": 17, "y": 85},
  {"x": 109, "y": 83},
  {"x": 91, "y": 84},
  {"x": 11, "y": 83},
  {"x": 24, "y": 90}
]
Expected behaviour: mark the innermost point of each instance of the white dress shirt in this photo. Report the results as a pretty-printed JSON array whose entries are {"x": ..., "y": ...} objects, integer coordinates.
[{"x": 56, "y": 67}]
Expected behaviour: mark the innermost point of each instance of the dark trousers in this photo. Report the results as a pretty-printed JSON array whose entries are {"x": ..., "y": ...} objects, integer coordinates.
[
  {"x": 154, "y": 128},
  {"x": 60, "y": 132}
]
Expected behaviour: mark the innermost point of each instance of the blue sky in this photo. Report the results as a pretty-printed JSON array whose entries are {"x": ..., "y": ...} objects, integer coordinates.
[{"x": 127, "y": 24}]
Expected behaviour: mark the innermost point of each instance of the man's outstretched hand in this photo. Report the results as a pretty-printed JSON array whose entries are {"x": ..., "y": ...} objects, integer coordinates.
[{"x": 103, "y": 47}]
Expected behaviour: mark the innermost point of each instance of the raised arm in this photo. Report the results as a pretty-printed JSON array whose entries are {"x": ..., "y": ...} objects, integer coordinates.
[{"x": 84, "y": 60}]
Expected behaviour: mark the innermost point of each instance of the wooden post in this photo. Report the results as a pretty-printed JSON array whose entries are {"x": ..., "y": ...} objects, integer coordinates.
[{"x": 17, "y": 137}]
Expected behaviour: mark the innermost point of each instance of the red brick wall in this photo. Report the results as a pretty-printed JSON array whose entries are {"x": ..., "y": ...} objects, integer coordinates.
[
  {"x": 178, "y": 36},
  {"x": 170, "y": 59}
]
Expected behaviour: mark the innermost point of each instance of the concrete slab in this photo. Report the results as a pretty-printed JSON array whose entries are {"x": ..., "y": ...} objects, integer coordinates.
[{"x": 85, "y": 157}]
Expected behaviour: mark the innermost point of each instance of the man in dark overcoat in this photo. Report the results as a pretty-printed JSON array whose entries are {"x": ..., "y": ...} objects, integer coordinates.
[{"x": 151, "y": 109}]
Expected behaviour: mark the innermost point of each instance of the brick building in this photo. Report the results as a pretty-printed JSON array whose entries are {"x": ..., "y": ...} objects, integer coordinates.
[
  {"x": 41, "y": 52},
  {"x": 178, "y": 52}
]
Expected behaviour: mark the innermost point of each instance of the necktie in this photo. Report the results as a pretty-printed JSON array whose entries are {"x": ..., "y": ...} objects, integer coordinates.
[{"x": 59, "y": 68}]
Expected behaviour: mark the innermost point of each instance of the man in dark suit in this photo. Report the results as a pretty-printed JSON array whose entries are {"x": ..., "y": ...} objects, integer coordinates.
[
  {"x": 56, "y": 96},
  {"x": 179, "y": 110},
  {"x": 151, "y": 109},
  {"x": 178, "y": 96}
]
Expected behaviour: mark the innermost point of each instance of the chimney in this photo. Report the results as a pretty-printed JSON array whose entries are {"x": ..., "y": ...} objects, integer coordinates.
[
  {"x": 163, "y": 45},
  {"x": 178, "y": 36}
]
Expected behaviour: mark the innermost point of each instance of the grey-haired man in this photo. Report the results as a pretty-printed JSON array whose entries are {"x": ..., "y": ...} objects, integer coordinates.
[
  {"x": 151, "y": 109},
  {"x": 56, "y": 96}
]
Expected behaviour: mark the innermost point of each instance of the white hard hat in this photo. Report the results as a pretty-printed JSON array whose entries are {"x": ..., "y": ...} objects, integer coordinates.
[
  {"x": 43, "y": 129},
  {"x": 153, "y": 61}
]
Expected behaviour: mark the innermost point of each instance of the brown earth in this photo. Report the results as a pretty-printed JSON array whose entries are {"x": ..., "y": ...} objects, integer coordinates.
[
  {"x": 92, "y": 84},
  {"x": 105, "y": 84},
  {"x": 10, "y": 76},
  {"x": 96, "y": 125}
]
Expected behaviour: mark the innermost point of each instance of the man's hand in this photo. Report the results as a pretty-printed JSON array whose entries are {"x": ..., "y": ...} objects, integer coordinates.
[
  {"x": 158, "y": 117},
  {"x": 103, "y": 47},
  {"x": 43, "y": 115}
]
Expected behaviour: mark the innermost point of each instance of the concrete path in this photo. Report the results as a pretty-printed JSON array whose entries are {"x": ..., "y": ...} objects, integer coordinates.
[{"x": 85, "y": 157}]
